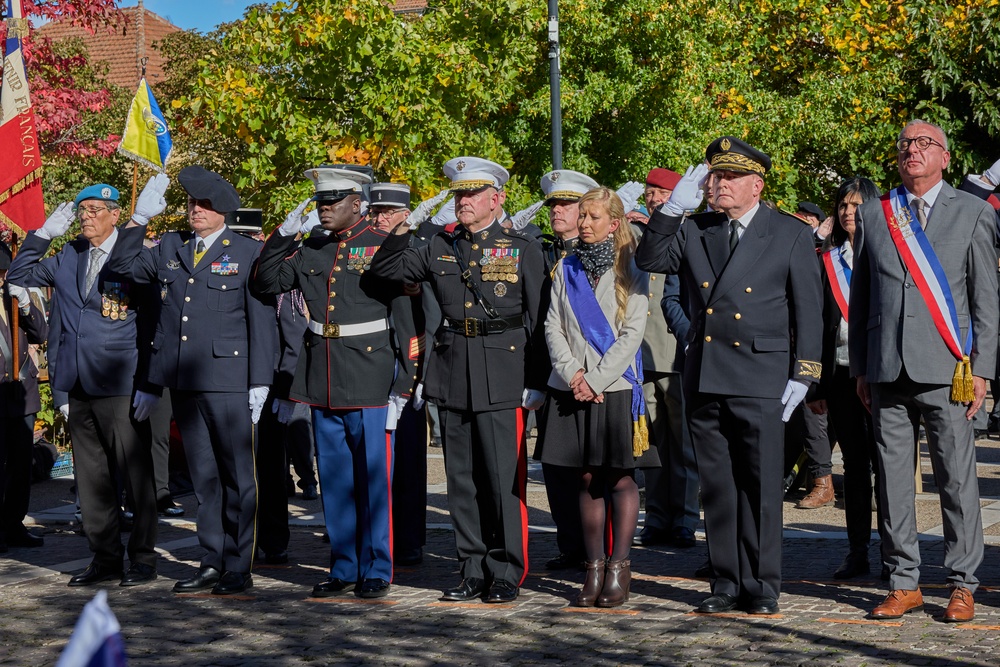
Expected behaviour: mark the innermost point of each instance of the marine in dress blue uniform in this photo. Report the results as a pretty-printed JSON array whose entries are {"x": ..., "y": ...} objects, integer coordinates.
[
  {"x": 488, "y": 281},
  {"x": 214, "y": 347},
  {"x": 347, "y": 371}
]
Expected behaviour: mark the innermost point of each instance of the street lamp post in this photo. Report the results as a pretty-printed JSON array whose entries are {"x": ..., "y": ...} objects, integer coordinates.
[{"x": 554, "y": 84}]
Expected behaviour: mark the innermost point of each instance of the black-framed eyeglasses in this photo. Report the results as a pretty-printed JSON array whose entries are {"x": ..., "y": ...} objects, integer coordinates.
[
  {"x": 923, "y": 143},
  {"x": 83, "y": 211},
  {"x": 385, "y": 212}
]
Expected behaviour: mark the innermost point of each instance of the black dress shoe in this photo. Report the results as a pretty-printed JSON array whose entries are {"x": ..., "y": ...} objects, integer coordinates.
[
  {"x": 374, "y": 588},
  {"x": 95, "y": 574},
  {"x": 564, "y": 562},
  {"x": 469, "y": 589},
  {"x": 333, "y": 587},
  {"x": 24, "y": 538},
  {"x": 501, "y": 591},
  {"x": 763, "y": 604},
  {"x": 704, "y": 570},
  {"x": 233, "y": 582},
  {"x": 169, "y": 508},
  {"x": 207, "y": 577},
  {"x": 138, "y": 574},
  {"x": 683, "y": 538},
  {"x": 276, "y": 558},
  {"x": 854, "y": 565},
  {"x": 651, "y": 537},
  {"x": 309, "y": 492},
  {"x": 718, "y": 603},
  {"x": 409, "y": 557}
]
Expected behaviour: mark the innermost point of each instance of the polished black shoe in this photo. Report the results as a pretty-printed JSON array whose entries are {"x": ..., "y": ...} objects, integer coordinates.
[
  {"x": 207, "y": 577},
  {"x": 309, "y": 492},
  {"x": 854, "y": 565},
  {"x": 138, "y": 574},
  {"x": 333, "y": 587},
  {"x": 981, "y": 433},
  {"x": 469, "y": 589},
  {"x": 95, "y": 574},
  {"x": 683, "y": 538},
  {"x": 704, "y": 570},
  {"x": 501, "y": 591},
  {"x": 233, "y": 582},
  {"x": 276, "y": 558},
  {"x": 718, "y": 603},
  {"x": 651, "y": 537},
  {"x": 24, "y": 538},
  {"x": 409, "y": 557},
  {"x": 762, "y": 604},
  {"x": 564, "y": 562},
  {"x": 169, "y": 508},
  {"x": 374, "y": 588}
]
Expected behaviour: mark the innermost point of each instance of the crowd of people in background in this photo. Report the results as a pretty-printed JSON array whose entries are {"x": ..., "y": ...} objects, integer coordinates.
[{"x": 680, "y": 332}]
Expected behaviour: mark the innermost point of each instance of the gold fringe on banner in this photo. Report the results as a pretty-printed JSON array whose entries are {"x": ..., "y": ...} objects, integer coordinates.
[
  {"x": 21, "y": 185},
  {"x": 640, "y": 437},
  {"x": 962, "y": 386}
]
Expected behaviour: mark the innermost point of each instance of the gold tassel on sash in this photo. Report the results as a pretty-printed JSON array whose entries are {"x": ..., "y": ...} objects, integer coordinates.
[
  {"x": 640, "y": 437},
  {"x": 962, "y": 386}
]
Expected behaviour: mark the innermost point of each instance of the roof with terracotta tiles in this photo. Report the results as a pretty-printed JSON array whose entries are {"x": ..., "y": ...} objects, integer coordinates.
[
  {"x": 118, "y": 47},
  {"x": 401, "y": 6}
]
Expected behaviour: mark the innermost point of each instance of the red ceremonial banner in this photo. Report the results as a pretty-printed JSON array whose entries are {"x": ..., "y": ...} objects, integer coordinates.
[{"x": 21, "y": 202}]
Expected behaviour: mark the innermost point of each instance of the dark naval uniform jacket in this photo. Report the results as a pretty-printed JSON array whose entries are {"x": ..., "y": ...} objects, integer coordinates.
[
  {"x": 98, "y": 337},
  {"x": 474, "y": 364},
  {"x": 214, "y": 334},
  {"x": 338, "y": 369},
  {"x": 744, "y": 338},
  {"x": 19, "y": 395}
]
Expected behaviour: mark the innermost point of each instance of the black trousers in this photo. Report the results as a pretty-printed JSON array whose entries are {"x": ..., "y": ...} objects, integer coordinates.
[
  {"x": 159, "y": 427},
  {"x": 107, "y": 441},
  {"x": 219, "y": 440},
  {"x": 16, "y": 442},
  {"x": 409, "y": 481},
  {"x": 272, "y": 491},
  {"x": 739, "y": 445},
  {"x": 485, "y": 460}
]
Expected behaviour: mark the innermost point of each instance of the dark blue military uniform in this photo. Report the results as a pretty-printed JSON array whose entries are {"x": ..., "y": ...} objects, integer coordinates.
[{"x": 214, "y": 340}]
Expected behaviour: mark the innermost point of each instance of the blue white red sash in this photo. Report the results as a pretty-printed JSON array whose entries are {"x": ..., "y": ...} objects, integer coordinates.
[
  {"x": 838, "y": 272},
  {"x": 929, "y": 277},
  {"x": 598, "y": 333}
]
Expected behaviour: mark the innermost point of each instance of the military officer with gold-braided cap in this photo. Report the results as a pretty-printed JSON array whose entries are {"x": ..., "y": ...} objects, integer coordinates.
[
  {"x": 480, "y": 373},
  {"x": 752, "y": 353}
]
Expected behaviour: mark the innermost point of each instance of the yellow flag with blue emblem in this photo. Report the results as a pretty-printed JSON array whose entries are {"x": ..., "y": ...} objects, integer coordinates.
[{"x": 146, "y": 138}]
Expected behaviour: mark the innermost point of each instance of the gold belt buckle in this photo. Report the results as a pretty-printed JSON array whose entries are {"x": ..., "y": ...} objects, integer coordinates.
[
  {"x": 471, "y": 327},
  {"x": 331, "y": 331}
]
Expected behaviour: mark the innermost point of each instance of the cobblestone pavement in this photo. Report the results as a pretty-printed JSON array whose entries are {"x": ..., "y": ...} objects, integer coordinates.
[{"x": 822, "y": 622}]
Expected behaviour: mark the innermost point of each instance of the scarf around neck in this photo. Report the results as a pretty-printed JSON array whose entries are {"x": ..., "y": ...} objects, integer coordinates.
[{"x": 596, "y": 258}]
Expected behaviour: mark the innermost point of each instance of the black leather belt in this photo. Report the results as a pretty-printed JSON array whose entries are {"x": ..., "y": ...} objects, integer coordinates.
[{"x": 470, "y": 327}]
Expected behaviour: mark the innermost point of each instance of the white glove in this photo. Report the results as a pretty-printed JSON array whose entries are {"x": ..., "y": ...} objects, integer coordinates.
[
  {"x": 258, "y": 395},
  {"x": 418, "y": 397},
  {"x": 284, "y": 409},
  {"x": 445, "y": 215},
  {"x": 396, "y": 405},
  {"x": 629, "y": 194},
  {"x": 311, "y": 223},
  {"x": 151, "y": 201},
  {"x": 58, "y": 223},
  {"x": 22, "y": 296},
  {"x": 296, "y": 220},
  {"x": 689, "y": 192},
  {"x": 64, "y": 409},
  {"x": 144, "y": 403},
  {"x": 423, "y": 210},
  {"x": 795, "y": 391},
  {"x": 532, "y": 399},
  {"x": 993, "y": 174},
  {"x": 521, "y": 219}
]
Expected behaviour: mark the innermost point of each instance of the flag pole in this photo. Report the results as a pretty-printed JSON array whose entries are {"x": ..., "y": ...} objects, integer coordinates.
[
  {"x": 15, "y": 321},
  {"x": 135, "y": 165}
]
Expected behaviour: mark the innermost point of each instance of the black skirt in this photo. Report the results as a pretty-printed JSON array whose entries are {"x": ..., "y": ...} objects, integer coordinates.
[{"x": 578, "y": 434}]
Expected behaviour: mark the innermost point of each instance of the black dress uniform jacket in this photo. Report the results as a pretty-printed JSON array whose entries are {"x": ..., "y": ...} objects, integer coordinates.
[
  {"x": 20, "y": 398},
  {"x": 744, "y": 338},
  {"x": 332, "y": 272},
  {"x": 213, "y": 334},
  {"x": 483, "y": 372}
]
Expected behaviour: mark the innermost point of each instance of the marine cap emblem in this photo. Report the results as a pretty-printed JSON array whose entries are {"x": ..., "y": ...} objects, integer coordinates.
[
  {"x": 554, "y": 177},
  {"x": 725, "y": 144},
  {"x": 461, "y": 165}
]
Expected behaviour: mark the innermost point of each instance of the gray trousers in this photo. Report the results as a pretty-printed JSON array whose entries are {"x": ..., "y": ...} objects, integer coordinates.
[{"x": 896, "y": 409}]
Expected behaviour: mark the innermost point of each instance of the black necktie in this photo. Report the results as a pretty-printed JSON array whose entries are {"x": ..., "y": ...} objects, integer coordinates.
[{"x": 734, "y": 235}]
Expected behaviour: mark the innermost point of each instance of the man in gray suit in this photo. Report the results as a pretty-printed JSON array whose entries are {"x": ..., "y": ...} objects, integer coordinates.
[{"x": 903, "y": 351}]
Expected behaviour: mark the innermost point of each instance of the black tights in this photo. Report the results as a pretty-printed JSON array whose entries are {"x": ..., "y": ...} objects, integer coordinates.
[{"x": 598, "y": 488}]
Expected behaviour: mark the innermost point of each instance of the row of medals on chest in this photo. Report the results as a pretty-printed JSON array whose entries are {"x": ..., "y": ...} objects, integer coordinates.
[{"x": 114, "y": 302}]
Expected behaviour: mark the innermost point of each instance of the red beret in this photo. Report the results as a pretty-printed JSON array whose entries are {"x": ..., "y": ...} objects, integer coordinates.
[{"x": 663, "y": 178}]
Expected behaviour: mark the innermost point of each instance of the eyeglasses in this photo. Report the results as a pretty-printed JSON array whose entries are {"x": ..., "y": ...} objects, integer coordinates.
[
  {"x": 385, "y": 212},
  {"x": 84, "y": 211},
  {"x": 923, "y": 143}
]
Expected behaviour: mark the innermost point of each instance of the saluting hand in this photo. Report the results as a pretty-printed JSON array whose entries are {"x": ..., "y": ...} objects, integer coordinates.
[
  {"x": 689, "y": 192},
  {"x": 151, "y": 201},
  {"x": 58, "y": 223},
  {"x": 296, "y": 220}
]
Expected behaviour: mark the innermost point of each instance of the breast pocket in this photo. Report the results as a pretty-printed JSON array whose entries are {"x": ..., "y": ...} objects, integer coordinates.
[
  {"x": 225, "y": 293},
  {"x": 448, "y": 280}
]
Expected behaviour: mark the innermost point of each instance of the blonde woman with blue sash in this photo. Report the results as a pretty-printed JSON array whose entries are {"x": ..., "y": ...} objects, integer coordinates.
[{"x": 595, "y": 421}]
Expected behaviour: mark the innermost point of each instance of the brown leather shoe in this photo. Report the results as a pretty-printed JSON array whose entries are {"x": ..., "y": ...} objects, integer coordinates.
[
  {"x": 960, "y": 608},
  {"x": 593, "y": 582},
  {"x": 899, "y": 602},
  {"x": 820, "y": 496},
  {"x": 617, "y": 577}
]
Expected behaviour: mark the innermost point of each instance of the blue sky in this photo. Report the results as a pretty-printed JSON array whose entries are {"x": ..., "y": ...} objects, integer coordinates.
[{"x": 201, "y": 15}]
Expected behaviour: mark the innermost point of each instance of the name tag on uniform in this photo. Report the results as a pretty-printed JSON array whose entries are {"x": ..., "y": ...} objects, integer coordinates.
[{"x": 225, "y": 268}]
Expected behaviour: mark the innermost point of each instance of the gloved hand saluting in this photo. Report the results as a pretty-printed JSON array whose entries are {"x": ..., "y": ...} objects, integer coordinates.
[
  {"x": 296, "y": 220},
  {"x": 151, "y": 201},
  {"x": 58, "y": 223},
  {"x": 689, "y": 192}
]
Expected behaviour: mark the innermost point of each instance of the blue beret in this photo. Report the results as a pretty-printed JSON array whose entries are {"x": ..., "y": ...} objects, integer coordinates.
[
  {"x": 200, "y": 183},
  {"x": 99, "y": 191}
]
